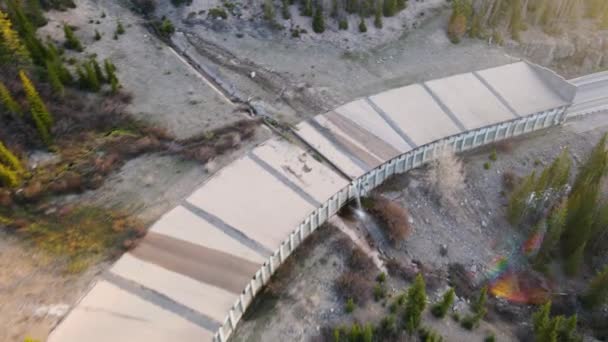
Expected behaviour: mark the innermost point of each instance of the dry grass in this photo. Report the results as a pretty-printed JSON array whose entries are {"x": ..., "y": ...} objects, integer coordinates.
[
  {"x": 395, "y": 219},
  {"x": 446, "y": 177},
  {"x": 81, "y": 234}
]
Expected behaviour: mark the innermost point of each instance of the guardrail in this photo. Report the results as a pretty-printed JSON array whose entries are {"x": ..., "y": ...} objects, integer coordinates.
[{"x": 370, "y": 180}]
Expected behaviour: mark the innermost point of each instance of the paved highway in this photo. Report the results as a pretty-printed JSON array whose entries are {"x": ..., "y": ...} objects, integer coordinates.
[{"x": 592, "y": 94}]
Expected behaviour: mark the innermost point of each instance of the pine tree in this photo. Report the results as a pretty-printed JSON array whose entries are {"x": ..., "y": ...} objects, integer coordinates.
[
  {"x": 475, "y": 29},
  {"x": 335, "y": 10},
  {"x": 519, "y": 199},
  {"x": 553, "y": 329},
  {"x": 389, "y": 8},
  {"x": 555, "y": 227},
  {"x": 97, "y": 36},
  {"x": 362, "y": 26},
  {"x": 10, "y": 40},
  {"x": 415, "y": 305},
  {"x": 343, "y": 24},
  {"x": 401, "y": 5},
  {"x": 307, "y": 8},
  {"x": 269, "y": 13},
  {"x": 27, "y": 32},
  {"x": 71, "y": 41},
  {"x": 10, "y": 160},
  {"x": 378, "y": 16},
  {"x": 597, "y": 293},
  {"x": 318, "y": 21},
  {"x": 285, "y": 9},
  {"x": 352, "y": 6},
  {"x": 92, "y": 81},
  {"x": 54, "y": 79},
  {"x": 583, "y": 202},
  {"x": 515, "y": 19},
  {"x": 98, "y": 71},
  {"x": 8, "y": 177},
  {"x": 7, "y": 100},
  {"x": 41, "y": 116},
  {"x": 440, "y": 309}
]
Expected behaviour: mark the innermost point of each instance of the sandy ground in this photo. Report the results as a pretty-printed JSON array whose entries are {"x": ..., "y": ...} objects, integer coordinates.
[
  {"x": 147, "y": 69},
  {"x": 474, "y": 232},
  {"x": 35, "y": 292}
]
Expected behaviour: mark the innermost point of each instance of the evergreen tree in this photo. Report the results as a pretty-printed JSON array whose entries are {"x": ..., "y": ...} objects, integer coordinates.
[
  {"x": 515, "y": 19},
  {"x": 7, "y": 100},
  {"x": 440, "y": 309},
  {"x": 97, "y": 36},
  {"x": 519, "y": 199},
  {"x": 555, "y": 227},
  {"x": 41, "y": 116},
  {"x": 390, "y": 8},
  {"x": 597, "y": 293},
  {"x": 307, "y": 8},
  {"x": 119, "y": 28},
  {"x": 34, "y": 12},
  {"x": 475, "y": 29},
  {"x": 415, "y": 305},
  {"x": 269, "y": 13},
  {"x": 378, "y": 16},
  {"x": 8, "y": 177},
  {"x": 10, "y": 160},
  {"x": 318, "y": 21},
  {"x": 352, "y": 6},
  {"x": 401, "y": 5},
  {"x": 553, "y": 329},
  {"x": 98, "y": 71},
  {"x": 28, "y": 34},
  {"x": 582, "y": 205},
  {"x": 10, "y": 41},
  {"x": 71, "y": 41},
  {"x": 285, "y": 9},
  {"x": 343, "y": 24},
  {"x": 362, "y": 26},
  {"x": 335, "y": 11},
  {"x": 54, "y": 79},
  {"x": 92, "y": 81}
]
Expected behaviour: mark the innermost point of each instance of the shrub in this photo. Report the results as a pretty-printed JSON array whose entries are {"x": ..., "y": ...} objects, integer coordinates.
[
  {"x": 217, "y": 12},
  {"x": 178, "y": 3},
  {"x": 381, "y": 278},
  {"x": 429, "y": 335},
  {"x": 71, "y": 41},
  {"x": 354, "y": 285},
  {"x": 493, "y": 155},
  {"x": 490, "y": 338},
  {"x": 389, "y": 8},
  {"x": 509, "y": 180},
  {"x": 285, "y": 9},
  {"x": 350, "y": 305},
  {"x": 379, "y": 292},
  {"x": 343, "y": 24},
  {"x": 119, "y": 28},
  {"x": 457, "y": 27},
  {"x": 359, "y": 261},
  {"x": 97, "y": 36},
  {"x": 440, "y": 309},
  {"x": 416, "y": 302},
  {"x": 478, "y": 307},
  {"x": 388, "y": 326},
  {"x": 395, "y": 219},
  {"x": 166, "y": 28},
  {"x": 487, "y": 165}
]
